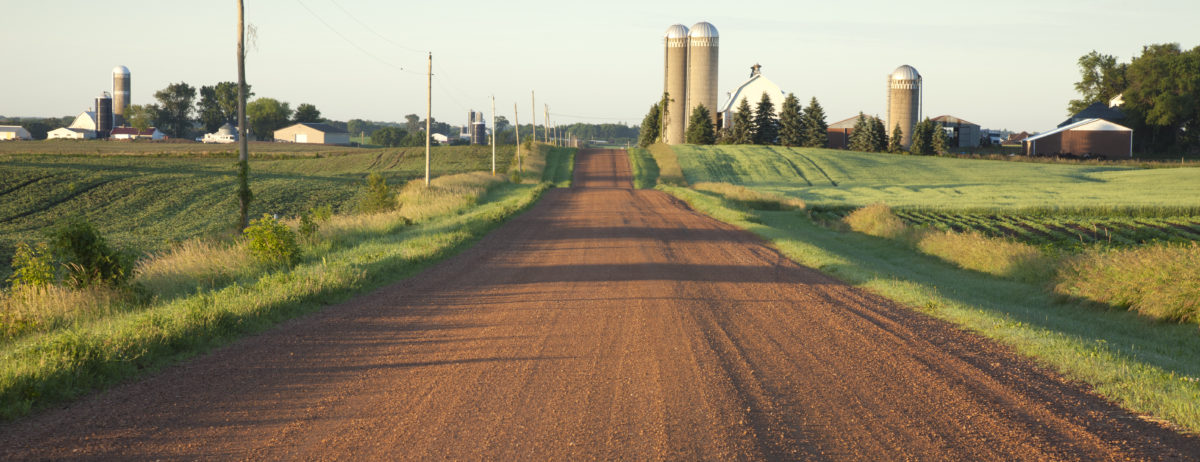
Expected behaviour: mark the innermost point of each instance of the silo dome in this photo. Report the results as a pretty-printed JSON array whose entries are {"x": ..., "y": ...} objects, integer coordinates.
[
  {"x": 905, "y": 72},
  {"x": 120, "y": 70},
  {"x": 677, "y": 31},
  {"x": 703, "y": 30}
]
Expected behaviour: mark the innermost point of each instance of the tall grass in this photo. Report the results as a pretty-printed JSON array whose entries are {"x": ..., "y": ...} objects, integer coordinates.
[
  {"x": 643, "y": 167},
  {"x": 26, "y": 310},
  {"x": 747, "y": 198},
  {"x": 669, "y": 170},
  {"x": 876, "y": 220},
  {"x": 999, "y": 257},
  {"x": 192, "y": 266},
  {"x": 1159, "y": 281}
]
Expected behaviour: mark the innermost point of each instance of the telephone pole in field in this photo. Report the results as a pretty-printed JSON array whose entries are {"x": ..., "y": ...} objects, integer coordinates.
[
  {"x": 493, "y": 135},
  {"x": 428, "y": 114},
  {"x": 517, "y": 124}
]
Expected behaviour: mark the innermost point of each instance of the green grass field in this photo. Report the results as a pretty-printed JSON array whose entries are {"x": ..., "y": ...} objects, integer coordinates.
[
  {"x": 145, "y": 202},
  {"x": 834, "y": 178}
]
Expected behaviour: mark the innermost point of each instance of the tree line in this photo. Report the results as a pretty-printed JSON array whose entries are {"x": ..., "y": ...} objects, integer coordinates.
[
  {"x": 179, "y": 114},
  {"x": 1160, "y": 90},
  {"x": 794, "y": 125}
]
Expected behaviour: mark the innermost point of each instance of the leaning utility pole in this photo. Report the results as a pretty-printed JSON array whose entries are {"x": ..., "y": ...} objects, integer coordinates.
[
  {"x": 428, "y": 114},
  {"x": 493, "y": 135},
  {"x": 517, "y": 124},
  {"x": 244, "y": 194}
]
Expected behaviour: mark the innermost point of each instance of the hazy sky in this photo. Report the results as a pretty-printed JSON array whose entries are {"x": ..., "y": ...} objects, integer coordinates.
[{"x": 1004, "y": 64}]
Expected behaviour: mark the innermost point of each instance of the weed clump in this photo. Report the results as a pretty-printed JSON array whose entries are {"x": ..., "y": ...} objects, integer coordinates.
[
  {"x": 378, "y": 196},
  {"x": 33, "y": 266},
  {"x": 86, "y": 257},
  {"x": 272, "y": 242}
]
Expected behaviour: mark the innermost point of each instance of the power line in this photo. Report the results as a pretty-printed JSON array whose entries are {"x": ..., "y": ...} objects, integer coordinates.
[
  {"x": 351, "y": 42},
  {"x": 365, "y": 26},
  {"x": 571, "y": 116}
]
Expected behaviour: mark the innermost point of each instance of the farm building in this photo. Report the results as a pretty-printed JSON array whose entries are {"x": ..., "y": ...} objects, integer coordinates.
[
  {"x": 68, "y": 133},
  {"x": 1098, "y": 111},
  {"x": 963, "y": 134},
  {"x": 839, "y": 133},
  {"x": 1096, "y": 137},
  {"x": 130, "y": 133},
  {"x": 86, "y": 120},
  {"x": 752, "y": 90},
  {"x": 225, "y": 134},
  {"x": 313, "y": 134},
  {"x": 14, "y": 132}
]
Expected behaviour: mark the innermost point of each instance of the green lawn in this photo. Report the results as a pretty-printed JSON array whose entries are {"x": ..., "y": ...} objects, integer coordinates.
[{"x": 835, "y": 178}]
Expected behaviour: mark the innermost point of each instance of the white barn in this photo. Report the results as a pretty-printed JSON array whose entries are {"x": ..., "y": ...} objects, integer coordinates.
[
  {"x": 751, "y": 90},
  {"x": 14, "y": 132},
  {"x": 85, "y": 121},
  {"x": 68, "y": 133},
  {"x": 130, "y": 133}
]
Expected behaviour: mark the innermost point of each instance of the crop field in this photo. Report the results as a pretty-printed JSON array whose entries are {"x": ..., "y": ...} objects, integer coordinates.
[
  {"x": 147, "y": 148},
  {"x": 826, "y": 178},
  {"x": 146, "y": 202}
]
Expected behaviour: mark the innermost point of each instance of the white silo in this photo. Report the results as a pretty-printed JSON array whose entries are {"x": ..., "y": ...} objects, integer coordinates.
[
  {"x": 904, "y": 102},
  {"x": 675, "y": 83},
  {"x": 702, "y": 69}
]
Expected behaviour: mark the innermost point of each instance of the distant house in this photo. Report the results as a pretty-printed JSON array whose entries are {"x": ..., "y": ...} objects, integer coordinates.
[
  {"x": 751, "y": 90},
  {"x": 225, "y": 134},
  {"x": 130, "y": 133},
  {"x": 441, "y": 139},
  {"x": 1097, "y": 110},
  {"x": 312, "y": 133},
  {"x": 14, "y": 132},
  {"x": 963, "y": 134},
  {"x": 839, "y": 133},
  {"x": 68, "y": 133},
  {"x": 1015, "y": 139},
  {"x": 1095, "y": 137}
]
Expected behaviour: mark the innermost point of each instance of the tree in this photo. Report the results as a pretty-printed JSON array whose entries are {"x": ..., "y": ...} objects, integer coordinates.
[
  {"x": 1162, "y": 103},
  {"x": 922, "y": 138},
  {"x": 307, "y": 113},
  {"x": 791, "y": 122},
  {"x": 664, "y": 115},
  {"x": 700, "y": 127},
  {"x": 817, "y": 131},
  {"x": 860, "y": 139},
  {"x": 650, "y": 127},
  {"x": 141, "y": 116},
  {"x": 766, "y": 126},
  {"x": 389, "y": 137},
  {"x": 412, "y": 123},
  {"x": 1101, "y": 79},
  {"x": 175, "y": 109},
  {"x": 742, "y": 129},
  {"x": 267, "y": 115},
  {"x": 939, "y": 141},
  {"x": 211, "y": 115},
  {"x": 879, "y": 142},
  {"x": 894, "y": 146}
]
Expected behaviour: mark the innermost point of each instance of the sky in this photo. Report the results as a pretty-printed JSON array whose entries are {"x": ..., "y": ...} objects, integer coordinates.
[{"x": 1003, "y": 65}]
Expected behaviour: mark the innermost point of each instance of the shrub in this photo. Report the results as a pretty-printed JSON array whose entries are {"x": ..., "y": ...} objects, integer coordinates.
[
  {"x": 877, "y": 220},
  {"x": 378, "y": 196},
  {"x": 33, "y": 266},
  {"x": 321, "y": 214},
  {"x": 1160, "y": 281},
  {"x": 271, "y": 241},
  {"x": 86, "y": 256}
]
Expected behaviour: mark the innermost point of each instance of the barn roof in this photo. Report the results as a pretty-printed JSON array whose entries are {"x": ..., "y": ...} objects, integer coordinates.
[
  {"x": 326, "y": 128},
  {"x": 951, "y": 120},
  {"x": 847, "y": 123},
  {"x": 1086, "y": 125},
  {"x": 1096, "y": 111}
]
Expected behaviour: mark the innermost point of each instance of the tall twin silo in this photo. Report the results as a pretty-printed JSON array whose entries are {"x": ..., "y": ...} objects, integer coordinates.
[
  {"x": 675, "y": 83},
  {"x": 104, "y": 115},
  {"x": 690, "y": 76},
  {"x": 904, "y": 102},
  {"x": 121, "y": 86},
  {"x": 702, "y": 69}
]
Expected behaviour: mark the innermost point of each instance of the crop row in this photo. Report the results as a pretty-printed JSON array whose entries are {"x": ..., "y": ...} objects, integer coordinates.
[{"x": 1063, "y": 232}]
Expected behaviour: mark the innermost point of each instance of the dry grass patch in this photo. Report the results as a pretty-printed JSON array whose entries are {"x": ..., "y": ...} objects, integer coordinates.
[
  {"x": 193, "y": 265},
  {"x": 999, "y": 257},
  {"x": 752, "y": 199},
  {"x": 26, "y": 309}
]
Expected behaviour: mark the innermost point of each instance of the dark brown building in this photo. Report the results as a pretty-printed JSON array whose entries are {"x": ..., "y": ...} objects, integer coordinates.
[
  {"x": 1097, "y": 137},
  {"x": 839, "y": 133}
]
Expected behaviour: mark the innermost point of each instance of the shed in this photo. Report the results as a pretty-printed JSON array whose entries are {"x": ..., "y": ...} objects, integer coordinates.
[
  {"x": 14, "y": 132},
  {"x": 963, "y": 134},
  {"x": 130, "y": 133},
  {"x": 1096, "y": 137},
  {"x": 68, "y": 133},
  {"x": 839, "y": 133},
  {"x": 312, "y": 133}
]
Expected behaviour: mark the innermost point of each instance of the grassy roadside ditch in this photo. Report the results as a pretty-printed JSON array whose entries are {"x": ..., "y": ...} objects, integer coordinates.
[
  {"x": 206, "y": 296},
  {"x": 1144, "y": 365}
]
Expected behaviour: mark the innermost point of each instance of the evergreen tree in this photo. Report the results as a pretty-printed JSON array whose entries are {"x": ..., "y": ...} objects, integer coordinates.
[
  {"x": 816, "y": 130},
  {"x": 880, "y": 140},
  {"x": 922, "y": 143},
  {"x": 742, "y": 131},
  {"x": 894, "y": 143},
  {"x": 650, "y": 126},
  {"x": 791, "y": 122},
  {"x": 700, "y": 127},
  {"x": 766, "y": 126},
  {"x": 939, "y": 140},
  {"x": 860, "y": 137}
]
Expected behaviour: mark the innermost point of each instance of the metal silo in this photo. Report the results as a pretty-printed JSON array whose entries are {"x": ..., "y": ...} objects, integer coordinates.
[
  {"x": 104, "y": 115},
  {"x": 675, "y": 83},
  {"x": 702, "y": 69},
  {"x": 120, "y": 93},
  {"x": 904, "y": 102}
]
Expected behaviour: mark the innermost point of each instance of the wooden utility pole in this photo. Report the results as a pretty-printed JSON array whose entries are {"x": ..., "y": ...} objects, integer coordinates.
[
  {"x": 517, "y": 124},
  {"x": 244, "y": 195},
  {"x": 428, "y": 114},
  {"x": 533, "y": 114},
  {"x": 546, "y": 122},
  {"x": 493, "y": 135}
]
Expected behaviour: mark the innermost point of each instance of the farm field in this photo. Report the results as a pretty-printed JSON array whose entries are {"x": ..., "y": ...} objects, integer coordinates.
[
  {"x": 833, "y": 178},
  {"x": 145, "y": 202}
]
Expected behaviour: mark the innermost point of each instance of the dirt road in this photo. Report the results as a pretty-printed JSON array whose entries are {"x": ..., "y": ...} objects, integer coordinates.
[{"x": 606, "y": 323}]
